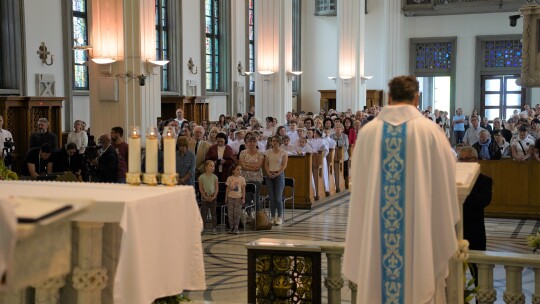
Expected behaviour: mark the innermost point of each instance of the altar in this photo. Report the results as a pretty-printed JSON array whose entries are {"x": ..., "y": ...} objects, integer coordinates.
[{"x": 135, "y": 245}]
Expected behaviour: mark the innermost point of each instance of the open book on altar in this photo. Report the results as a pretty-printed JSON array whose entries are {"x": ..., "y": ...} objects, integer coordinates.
[{"x": 34, "y": 210}]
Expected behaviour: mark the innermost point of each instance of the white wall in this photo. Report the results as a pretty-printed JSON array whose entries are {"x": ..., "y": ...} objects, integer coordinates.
[
  {"x": 43, "y": 23},
  {"x": 374, "y": 58},
  {"x": 191, "y": 41},
  {"x": 319, "y": 55}
]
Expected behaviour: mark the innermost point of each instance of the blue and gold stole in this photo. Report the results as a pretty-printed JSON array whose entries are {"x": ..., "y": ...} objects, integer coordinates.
[{"x": 392, "y": 213}]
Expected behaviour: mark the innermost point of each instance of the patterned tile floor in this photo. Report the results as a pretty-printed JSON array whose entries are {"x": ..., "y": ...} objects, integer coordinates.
[{"x": 225, "y": 254}]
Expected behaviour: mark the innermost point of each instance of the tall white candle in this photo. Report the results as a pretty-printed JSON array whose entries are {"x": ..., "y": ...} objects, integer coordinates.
[
  {"x": 151, "y": 163},
  {"x": 134, "y": 151},
  {"x": 169, "y": 151}
]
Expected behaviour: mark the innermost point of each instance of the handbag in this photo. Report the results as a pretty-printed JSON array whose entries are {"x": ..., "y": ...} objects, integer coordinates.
[{"x": 263, "y": 223}]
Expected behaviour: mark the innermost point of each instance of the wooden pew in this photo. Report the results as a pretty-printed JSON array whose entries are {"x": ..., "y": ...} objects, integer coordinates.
[
  {"x": 338, "y": 169},
  {"x": 299, "y": 168},
  {"x": 516, "y": 193},
  {"x": 331, "y": 178}
]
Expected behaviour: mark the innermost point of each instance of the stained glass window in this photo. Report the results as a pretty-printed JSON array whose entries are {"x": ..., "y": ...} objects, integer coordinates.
[
  {"x": 433, "y": 56},
  {"x": 251, "y": 37},
  {"x": 502, "y": 53},
  {"x": 80, "y": 38},
  {"x": 162, "y": 40},
  {"x": 212, "y": 44}
]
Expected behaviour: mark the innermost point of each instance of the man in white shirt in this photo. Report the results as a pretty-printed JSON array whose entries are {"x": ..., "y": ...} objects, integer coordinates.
[
  {"x": 473, "y": 132},
  {"x": 400, "y": 236},
  {"x": 235, "y": 145},
  {"x": 179, "y": 116},
  {"x": 5, "y": 136}
]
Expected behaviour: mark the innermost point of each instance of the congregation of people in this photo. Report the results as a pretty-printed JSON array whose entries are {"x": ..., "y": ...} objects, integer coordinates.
[{"x": 258, "y": 150}]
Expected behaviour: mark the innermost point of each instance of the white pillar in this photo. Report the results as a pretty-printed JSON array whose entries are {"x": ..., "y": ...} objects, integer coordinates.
[
  {"x": 351, "y": 89},
  {"x": 394, "y": 44},
  {"x": 273, "y": 53},
  {"x": 125, "y": 31}
]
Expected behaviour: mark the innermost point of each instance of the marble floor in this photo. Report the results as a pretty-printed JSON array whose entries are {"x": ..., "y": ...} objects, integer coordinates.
[{"x": 225, "y": 254}]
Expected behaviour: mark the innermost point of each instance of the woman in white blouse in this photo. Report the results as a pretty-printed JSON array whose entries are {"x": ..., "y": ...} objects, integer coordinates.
[{"x": 78, "y": 136}]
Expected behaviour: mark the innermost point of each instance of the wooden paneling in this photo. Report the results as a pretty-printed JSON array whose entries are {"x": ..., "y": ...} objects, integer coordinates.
[
  {"x": 21, "y": 114},
  {"x": 195, "y": 107},
  {"x": 516, "y": 188}
]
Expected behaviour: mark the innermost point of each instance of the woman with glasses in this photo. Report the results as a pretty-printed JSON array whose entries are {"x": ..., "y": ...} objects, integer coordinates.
[{"x": 274, "y": 166}]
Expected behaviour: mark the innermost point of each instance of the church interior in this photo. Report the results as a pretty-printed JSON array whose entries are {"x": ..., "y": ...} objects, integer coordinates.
[{"x": 130, "y": 63}]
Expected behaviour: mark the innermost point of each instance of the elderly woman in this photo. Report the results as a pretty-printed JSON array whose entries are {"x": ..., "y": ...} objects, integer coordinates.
[
  {"x": 487, "y": 148},
  {"x": 185, "y": 162},
  {"x": 274, "y": 166},
  {"x": 342, "y": 140},
  {"x": 251, "y": 160},
  {"x": 222, "y": 155}
]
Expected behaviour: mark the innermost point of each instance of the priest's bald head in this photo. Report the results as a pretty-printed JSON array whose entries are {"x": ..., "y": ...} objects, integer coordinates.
[{"x": 403, "y": 90}]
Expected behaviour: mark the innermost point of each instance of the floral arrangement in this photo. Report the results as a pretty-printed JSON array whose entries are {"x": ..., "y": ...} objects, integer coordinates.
[
  {"x": 534, "y": 241},
  {"x": 5, "y": 173}
]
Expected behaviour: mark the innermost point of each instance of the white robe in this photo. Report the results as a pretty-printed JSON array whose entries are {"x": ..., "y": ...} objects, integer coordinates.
[
  {"x": 431, "y": 209},
  {"x": 320, "y": 144}
]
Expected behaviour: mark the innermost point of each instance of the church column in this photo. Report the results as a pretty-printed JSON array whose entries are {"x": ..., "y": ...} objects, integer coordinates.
[
  {"x": 351, "y": 88},
  {"x": 127, "y": 92},
  {"x": 394, "y": 42},
  {"x": 273, "y": 85},
  {"x": 89, "y": 277}
]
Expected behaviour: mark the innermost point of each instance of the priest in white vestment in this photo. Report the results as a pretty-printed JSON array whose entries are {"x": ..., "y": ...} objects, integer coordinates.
[{"x": 403, "y": 208}]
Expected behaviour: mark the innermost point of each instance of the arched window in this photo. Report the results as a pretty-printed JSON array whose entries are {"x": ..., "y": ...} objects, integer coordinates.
[
  {"x": 251, "y": 39},
  {"x": 162, "y": 40},
  {"x": 215, "y": 45},
  {"x": 80, "y": 39}
]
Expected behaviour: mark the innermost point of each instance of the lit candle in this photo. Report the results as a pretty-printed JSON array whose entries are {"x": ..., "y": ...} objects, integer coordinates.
[
  {"x": 169, "y": 151},
  {"x": 151, "y": 163},
  {"x": 134, "y": 152}
]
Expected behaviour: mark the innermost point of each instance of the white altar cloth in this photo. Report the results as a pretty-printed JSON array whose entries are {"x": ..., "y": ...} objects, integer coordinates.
[{"x": 161, "y": 250}]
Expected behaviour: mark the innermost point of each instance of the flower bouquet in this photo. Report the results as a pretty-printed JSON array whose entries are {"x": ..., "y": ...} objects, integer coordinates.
[{"x": 5, "y": 173}]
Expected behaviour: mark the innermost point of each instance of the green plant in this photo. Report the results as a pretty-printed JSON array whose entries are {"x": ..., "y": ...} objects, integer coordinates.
[
  {"x": 470, "y": 289},
  {"x": 5, "y": 173},
  {"x": 534, "y": 241}
]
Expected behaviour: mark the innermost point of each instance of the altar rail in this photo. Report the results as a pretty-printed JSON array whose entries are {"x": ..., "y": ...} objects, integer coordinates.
[
  {"x": 514, "y": 263},
  {"x": 515, "y": 188}
]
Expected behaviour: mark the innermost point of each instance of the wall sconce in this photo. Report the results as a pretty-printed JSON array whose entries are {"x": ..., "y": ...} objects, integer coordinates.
[
  {"x": 44, "y": 54},
  {"x": 346, "y": 79},
  {"x": 154, "y": 65},
  {"x": 240, "y": 69},
  {"x": 364, "y": 78},
  {"x": 191, "y": 66},
  {"x": 292, "y": 74},
  {"x": 333, "y": 78},
  {"x": 105, "y": 65},
  {"x": 266, "y": 74}
]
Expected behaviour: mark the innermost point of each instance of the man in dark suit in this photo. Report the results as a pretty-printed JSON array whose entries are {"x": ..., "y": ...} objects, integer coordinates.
[
  {"x": 107, "y": 162},
  {"x": 42, "y": 135},
  {"x": 474, "y": 229}
]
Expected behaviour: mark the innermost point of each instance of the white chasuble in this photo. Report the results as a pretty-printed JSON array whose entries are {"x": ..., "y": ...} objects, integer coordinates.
[{"x": 403, "y": 208}]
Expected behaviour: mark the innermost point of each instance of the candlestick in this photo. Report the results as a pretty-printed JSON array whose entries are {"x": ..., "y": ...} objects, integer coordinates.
[
  {"x": 133, "y": 176},
  {"x": 134, "y": 151},
  {"x": 169, "y": 151},
  {"x": 151, "y": 161}
]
